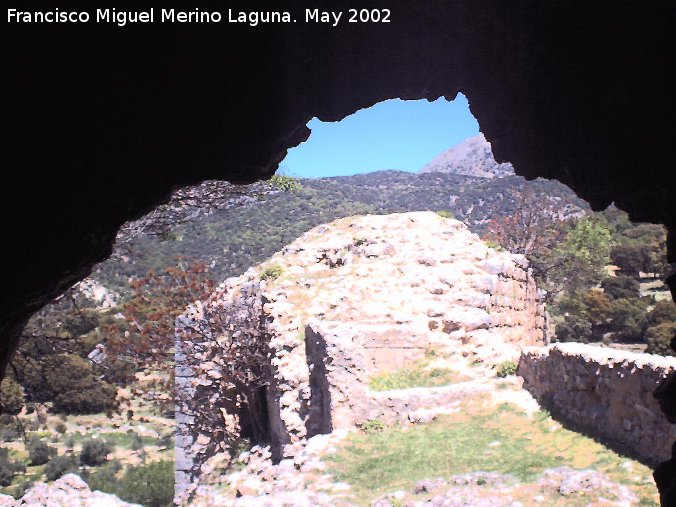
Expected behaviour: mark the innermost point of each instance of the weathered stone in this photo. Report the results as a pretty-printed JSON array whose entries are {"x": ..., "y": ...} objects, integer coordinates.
[
  {"x": 350, "y": 311},
  {"x": 606, "y": 392}
]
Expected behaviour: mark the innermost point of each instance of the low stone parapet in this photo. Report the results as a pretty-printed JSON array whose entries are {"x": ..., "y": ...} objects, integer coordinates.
[{"x": 604, "y": 392}]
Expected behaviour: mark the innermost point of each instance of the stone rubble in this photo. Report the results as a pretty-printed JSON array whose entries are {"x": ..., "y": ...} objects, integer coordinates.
[
  {"x": 490, "y": 489},
  {"x": 68, "y": 491},
  {"x": 258, "y": 482}
]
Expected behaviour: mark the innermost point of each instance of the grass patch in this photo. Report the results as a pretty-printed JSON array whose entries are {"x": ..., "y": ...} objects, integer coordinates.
[
  {"x": 501, "y": 439},
  {"x": 414, "y": 376},
  {"x": 272, "y": 272},
  {"x": 117, "y": 439}
]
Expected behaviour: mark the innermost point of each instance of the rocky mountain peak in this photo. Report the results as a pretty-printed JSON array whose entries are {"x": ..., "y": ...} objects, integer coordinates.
[{"x": 472, "y": 157}]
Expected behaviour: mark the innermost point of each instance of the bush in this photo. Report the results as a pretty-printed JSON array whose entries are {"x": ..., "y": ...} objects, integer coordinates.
[
  {"x": 136, "y": 443},
  {"x": 94, "y": 452},
  {"x": 97, "y": 397},
  {"x": 151, "y": 485},
  {"x": 105, "y": 478},
  {"x": 628, "y": 318},
  {"x": 285, "y": 183},
  {"x": 272, "y": 272},
  {"x": 60, "y": 427},
  {"x": 659, "y": 338},
  {"x": 373, "y": 425},
  {"x": 59, "y": 466},
  {"x": 445, "y": 214},
  {"x": 39, "y": 452},
  {"x": 621, "y": 286},
  {"x": 663, "y": 311},
  {"x": 574, "y": 328},
  {"x": 8, "y": 468},
  {"x": 11, "y": 396},
  {"x": 506, "y": 368}
]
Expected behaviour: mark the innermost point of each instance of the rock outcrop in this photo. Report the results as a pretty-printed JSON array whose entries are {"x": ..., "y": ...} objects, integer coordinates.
[
  {"x": 604, "y": 392},
  {"x": 70, "y": 490},
  {"x": 472, "y": 157},
  {"x": 345, "y": 301}
]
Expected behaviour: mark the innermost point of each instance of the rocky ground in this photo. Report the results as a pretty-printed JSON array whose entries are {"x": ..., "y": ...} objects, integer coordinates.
[
  {"x": 137, "y": 434},
  {"x": 317, "y": 475},
  {"x": 68, "y": 491}
]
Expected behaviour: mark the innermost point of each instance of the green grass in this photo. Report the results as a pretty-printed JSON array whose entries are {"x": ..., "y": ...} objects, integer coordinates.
[
  {"x": 119, "y": 440},
  {"x": 414, "y": 376},
  {"x": 377, "y": 462},
  {"x": 395, "y": 458}
]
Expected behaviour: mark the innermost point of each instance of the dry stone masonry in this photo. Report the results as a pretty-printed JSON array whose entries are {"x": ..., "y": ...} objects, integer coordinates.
[
  {"x": 605, "y": 392},
  {"x": 345, "y": 301}
]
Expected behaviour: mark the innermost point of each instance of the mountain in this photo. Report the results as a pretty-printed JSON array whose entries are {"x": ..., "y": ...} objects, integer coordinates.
[
  {"x": 232, "y": 240},
  {"x": 472, "y": 157}
]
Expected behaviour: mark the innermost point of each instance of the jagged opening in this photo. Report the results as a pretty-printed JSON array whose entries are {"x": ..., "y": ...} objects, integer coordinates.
[
  {"x": 254, "y": 419},
  {"x": 317, "y": 412},
  {"x": 259, "y": 418}
]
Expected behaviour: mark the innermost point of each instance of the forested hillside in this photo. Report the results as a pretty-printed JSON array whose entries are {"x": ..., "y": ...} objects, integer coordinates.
[{"x": 231, "y": 240}]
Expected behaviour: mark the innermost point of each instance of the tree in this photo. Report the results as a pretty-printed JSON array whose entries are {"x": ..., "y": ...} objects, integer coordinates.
[
  {"x": 39, "y": 452},
  {"x": 577, "y": 262},
  {"x": 627, "y": 319},
  {"x": 94, "y": 452},
  {"x": 144, "y": 336},
  {"x": 621, "y": 286},
  {"x": 631, "y": 258},
  {"x": 598, "y": 310},
  {"x": 660, "y": 338},
  {"x": 660, "y": 328},
  {"x": 11, "y": 396},
  {"x": 531, "y": 229}
]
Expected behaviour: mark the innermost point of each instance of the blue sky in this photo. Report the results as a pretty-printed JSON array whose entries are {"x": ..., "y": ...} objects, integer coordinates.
[{"x": 394, "y": 134}]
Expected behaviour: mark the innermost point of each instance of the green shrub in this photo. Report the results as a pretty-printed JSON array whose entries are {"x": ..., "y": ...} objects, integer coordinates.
[
  {"x": 11, "y": 396},
  {"x": 39, "y": 452},
  {"x": 272, "y": 272},
  {"x": 445, "y": 214},
  {"x": 59, "y": 466},
  {"x": 372, "y": 425},
  {"x": 21, "y": 489},
  {"x": 663, "y": 311},
  {"x": 621, "y": 286},
  {"x": 166, "y": 441},
  {"x": 70, "y": 382},
  {"x": 659, "y": 338},
  {"x": 506, "y": 368},
  {"x": 60, "y": 427},
  {"x": 105, "y": 477},
  {"x": 284, "y": 183},
  {"x": 136, "y": 443},
  {"x": 94, "y": 452},
  {"x": 150, "y": 485},
  {"x": 9, "y": 468},
  {"x": 574, "y": 328},
  {"x": 10, "y": 429}
]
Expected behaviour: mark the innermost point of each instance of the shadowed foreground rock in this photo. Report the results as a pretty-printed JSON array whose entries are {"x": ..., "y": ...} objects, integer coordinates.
[{"x": 68, "y": 491}]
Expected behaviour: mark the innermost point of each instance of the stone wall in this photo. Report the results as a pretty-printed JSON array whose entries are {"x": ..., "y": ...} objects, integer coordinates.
[{"x": 604, "y": 392}]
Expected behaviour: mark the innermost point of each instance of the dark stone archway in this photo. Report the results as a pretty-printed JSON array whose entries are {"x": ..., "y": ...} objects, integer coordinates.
[{"x": 101, "y": 123}]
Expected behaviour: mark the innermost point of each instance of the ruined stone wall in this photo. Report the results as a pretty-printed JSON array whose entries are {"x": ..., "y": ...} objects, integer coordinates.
[
  {"x": 355, "y": 297},
  {"x": 604, "y": 392},
  {"x": 207, "y": 409}
]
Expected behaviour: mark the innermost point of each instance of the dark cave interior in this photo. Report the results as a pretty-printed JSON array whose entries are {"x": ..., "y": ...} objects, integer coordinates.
[{"x": 102, "y": 123}]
